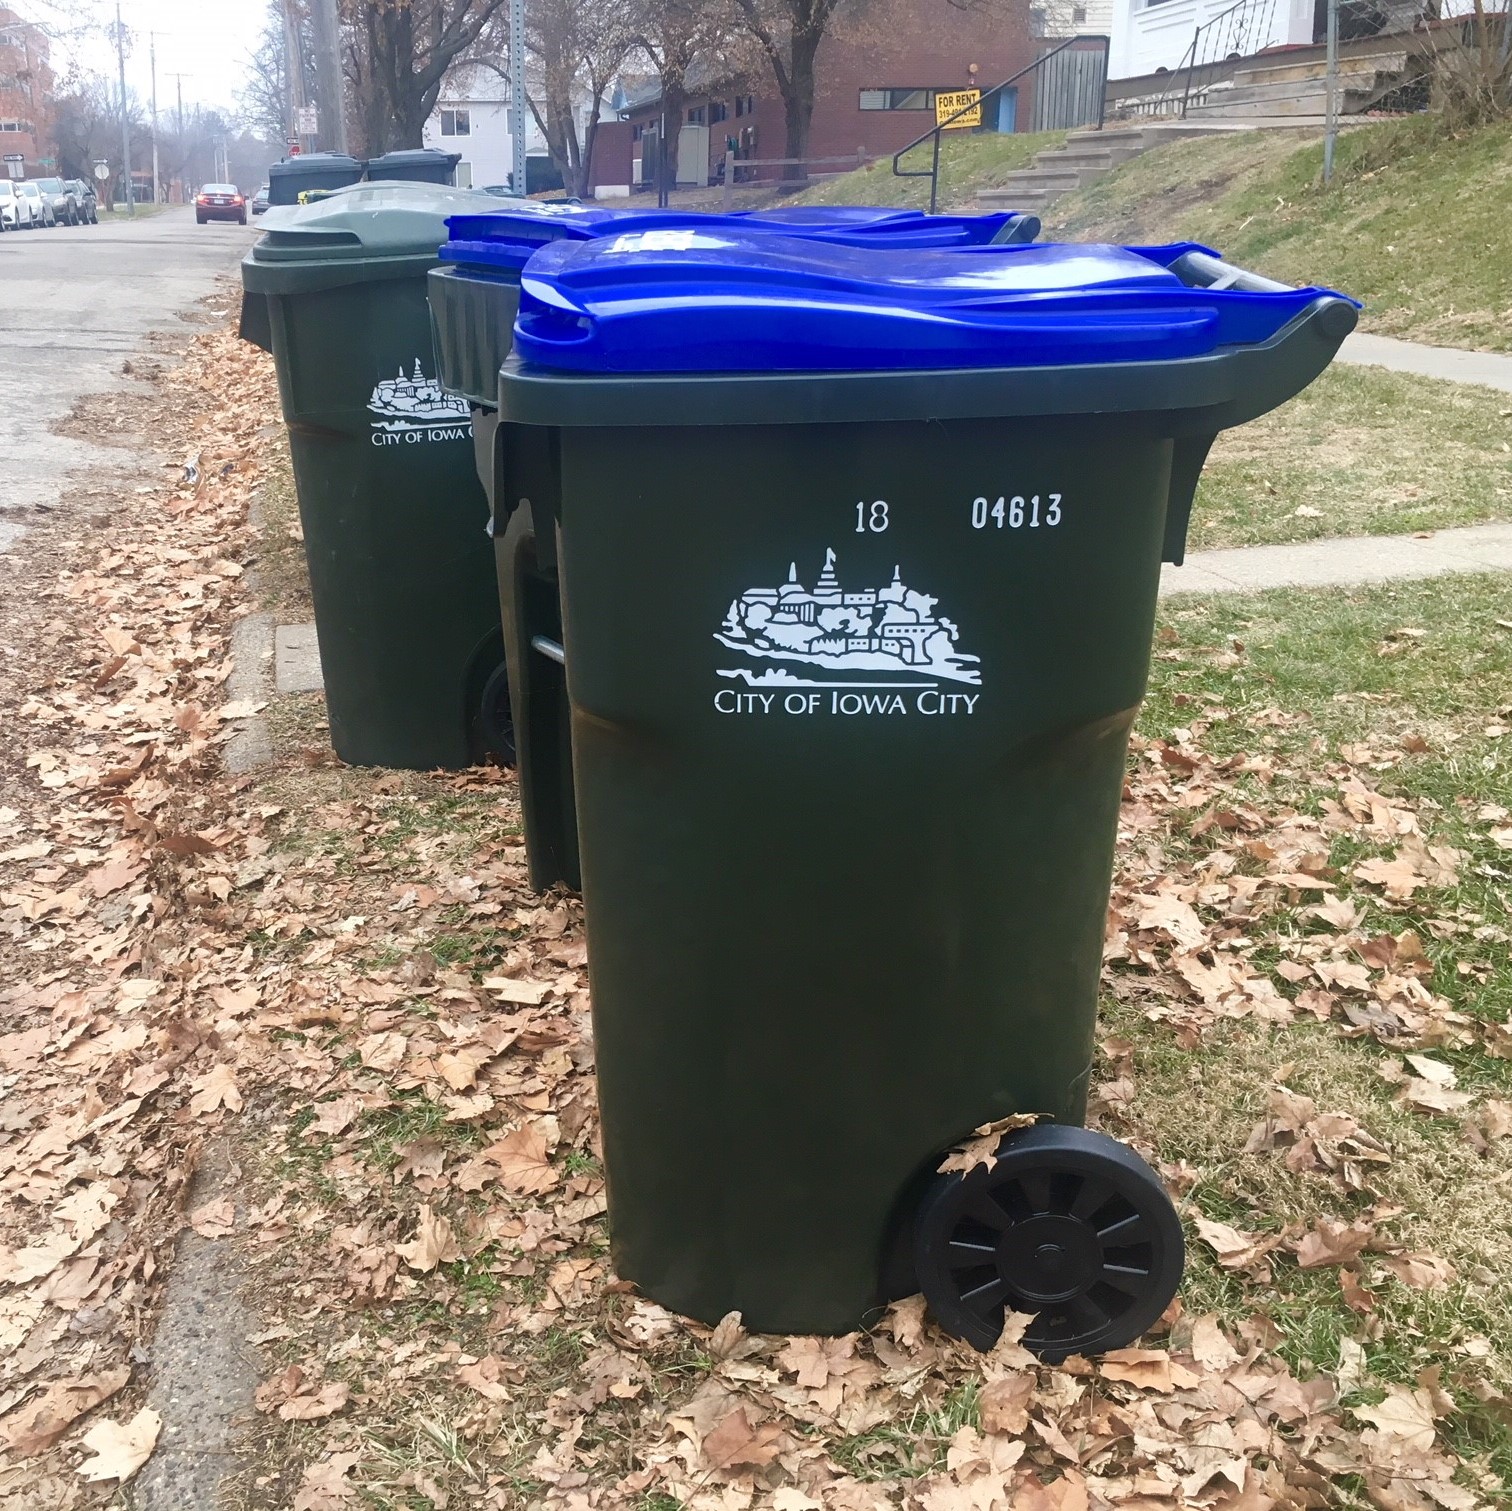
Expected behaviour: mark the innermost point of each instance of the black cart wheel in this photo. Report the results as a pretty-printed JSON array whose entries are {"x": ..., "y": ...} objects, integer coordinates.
[
  {"x": 496, "y": 717},
  {"x": 1068, "y": 1224}
]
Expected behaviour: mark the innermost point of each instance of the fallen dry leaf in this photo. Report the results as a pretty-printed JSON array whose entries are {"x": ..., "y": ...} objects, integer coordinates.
[
  {"x": 434, "y": 1243},
  {"x": 1331, "y": 1241},
  {"x": 1405, "y": 1415},
  {"x": 982, "y": 1147},
  {"x": 735, "y": 1443},
  {"x": 215, "y": 1219},
  {"x": 42, "y": 1421},
  {"x": 218, "y": 1089},
  {"x": 121, "y": 1449},
  {"x": 324, "y": 1485}
]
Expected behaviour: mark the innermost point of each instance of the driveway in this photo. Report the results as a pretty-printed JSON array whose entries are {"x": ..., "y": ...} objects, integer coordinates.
[{"x": 75, "y": 302}]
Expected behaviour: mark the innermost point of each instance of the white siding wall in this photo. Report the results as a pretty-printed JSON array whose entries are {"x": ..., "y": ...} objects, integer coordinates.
[
  {"x": 1148, "y": 37},
  {"x": 488, "y": 148}
]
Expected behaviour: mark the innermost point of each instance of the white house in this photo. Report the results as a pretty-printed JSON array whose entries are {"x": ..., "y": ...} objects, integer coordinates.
[
  {"x": 1150, "y": 35},
  {"x": 472, "y": 117}
]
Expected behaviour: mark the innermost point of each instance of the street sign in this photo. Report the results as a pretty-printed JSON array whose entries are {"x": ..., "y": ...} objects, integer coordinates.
[
  {"x": 948, "y": 101},
  {"x": 308, "y": 122},
  {"x": 102, "y": 171}
]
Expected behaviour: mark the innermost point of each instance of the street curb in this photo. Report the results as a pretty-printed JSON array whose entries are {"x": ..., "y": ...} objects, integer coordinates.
[{"x": 251, "y": 680}]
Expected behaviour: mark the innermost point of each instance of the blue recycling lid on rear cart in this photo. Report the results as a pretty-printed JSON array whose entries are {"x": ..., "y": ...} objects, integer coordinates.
[
  {"x": 502, "y": 241},
  {"x": 664, "y": 301}
]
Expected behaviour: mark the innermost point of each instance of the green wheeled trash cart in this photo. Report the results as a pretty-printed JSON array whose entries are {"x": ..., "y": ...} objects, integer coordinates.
[
  {"x": 859, "y": 557},
  {"x": 395, "y": 520},
  {"x": 474, "y": 295},
  {"x": 415, "y": 165},
  {"x": 309, "y": 173}
]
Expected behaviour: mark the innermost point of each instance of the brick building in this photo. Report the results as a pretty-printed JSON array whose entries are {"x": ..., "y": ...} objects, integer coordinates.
[
  {"x": 26, "y": 91},
  {"x": 876, "y": 78}
]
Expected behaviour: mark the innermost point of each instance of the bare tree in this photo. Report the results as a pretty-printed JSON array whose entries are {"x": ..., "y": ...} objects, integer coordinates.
[
  {"x": 789, "y": 32},
  {"x": 576, "y": 48},
  {"x": 397, "y": 55},
  {"x": 677, "y": 35},
  {"x": 86, "y": 127},
  {"x": 574, "y": 51},
  {"x": 263, "y": 103},
  {"x": 1472, "y": 83}
]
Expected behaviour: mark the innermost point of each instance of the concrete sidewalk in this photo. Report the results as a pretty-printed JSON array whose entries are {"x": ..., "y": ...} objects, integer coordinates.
[
  {"x": 1450, "y": 363},
  {"x": 1354, "y": 561}
]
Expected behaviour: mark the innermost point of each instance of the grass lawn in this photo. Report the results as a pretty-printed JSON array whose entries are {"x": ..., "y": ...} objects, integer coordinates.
[
  {"x": 143, "y": 209},
  {"x": 969, "y": 163},
  {"x": 1396, "y": 698},
  {"x": 1414, "y": 224},
  {"x": 1294, "y": 734},
  {"x": 1361, "y": 452}
]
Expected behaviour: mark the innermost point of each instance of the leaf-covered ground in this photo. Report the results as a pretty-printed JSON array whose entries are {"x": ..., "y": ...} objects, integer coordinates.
[{"x": 339, "y": 980}]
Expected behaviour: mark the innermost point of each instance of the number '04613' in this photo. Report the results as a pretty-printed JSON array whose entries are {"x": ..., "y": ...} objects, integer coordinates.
[{"x": 1017, "y": 512}]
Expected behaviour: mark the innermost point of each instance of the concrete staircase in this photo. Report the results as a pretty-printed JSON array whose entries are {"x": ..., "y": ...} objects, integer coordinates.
[
  {"x": 1086, "y": 157},
  {"x": 1296, "y": 91}
]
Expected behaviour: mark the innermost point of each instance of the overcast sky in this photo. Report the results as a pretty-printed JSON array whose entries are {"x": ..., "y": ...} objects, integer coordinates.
[{"x": 207, "y": 40}]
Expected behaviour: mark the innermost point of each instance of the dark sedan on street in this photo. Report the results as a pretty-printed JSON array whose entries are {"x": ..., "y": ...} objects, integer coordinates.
[{"x": 220, "y": 202}]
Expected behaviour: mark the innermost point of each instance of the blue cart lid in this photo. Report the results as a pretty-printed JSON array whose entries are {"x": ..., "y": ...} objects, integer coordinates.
[
  {"x": 503, "y": 240},
  {"x": 696, "y": 301}
]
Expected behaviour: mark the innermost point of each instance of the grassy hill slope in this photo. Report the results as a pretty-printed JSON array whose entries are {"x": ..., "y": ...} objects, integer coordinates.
[
  {"x": 968, "y": 164},
  {"x": 1417, "y": 223}
]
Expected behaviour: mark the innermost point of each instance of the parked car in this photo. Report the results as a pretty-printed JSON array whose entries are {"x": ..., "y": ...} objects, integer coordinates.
[
  {"x": 42, "y": 210},
  {"x": 64, "y": 206},
  {"x": 260, "y": 200},
  {"x": 86, "y": 199},
  {"x": 220, "y": 202},
  {"x": 15, "y": 207}
]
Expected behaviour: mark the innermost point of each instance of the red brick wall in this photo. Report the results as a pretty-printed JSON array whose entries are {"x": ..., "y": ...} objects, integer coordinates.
[
  {"x": 892, "y": 44},
  {"x": 611, "y": 154}
]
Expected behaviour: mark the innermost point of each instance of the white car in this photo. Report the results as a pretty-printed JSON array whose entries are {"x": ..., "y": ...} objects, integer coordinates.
[
  {"x": 15, "y": 207},
  {"x": 42, "y": 210}
]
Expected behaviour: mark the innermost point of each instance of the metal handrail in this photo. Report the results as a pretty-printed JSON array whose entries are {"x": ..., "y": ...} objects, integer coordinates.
[
  {"x": 1208, "y": 25},
  {"x": 933, "y": 171}
]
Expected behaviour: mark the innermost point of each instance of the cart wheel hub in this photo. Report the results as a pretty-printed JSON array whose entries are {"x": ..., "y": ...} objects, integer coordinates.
[{"x": 1049, "y": 1258}]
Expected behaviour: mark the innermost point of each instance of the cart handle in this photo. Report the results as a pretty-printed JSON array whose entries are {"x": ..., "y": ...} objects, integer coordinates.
[{"x": 1201, "y": 270}]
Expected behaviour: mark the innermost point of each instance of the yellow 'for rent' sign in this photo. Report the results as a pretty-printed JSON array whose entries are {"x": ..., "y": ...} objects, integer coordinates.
[{"x": 948, "y": 101}]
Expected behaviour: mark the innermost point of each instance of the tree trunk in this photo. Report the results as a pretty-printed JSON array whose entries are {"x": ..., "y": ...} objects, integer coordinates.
[
  {"x": 798, "y": 99},
  {"x": 674, "y": 102},
  {"x": 581, "y": 182}
]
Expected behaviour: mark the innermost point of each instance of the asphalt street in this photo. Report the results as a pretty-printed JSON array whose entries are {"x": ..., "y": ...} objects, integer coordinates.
[{"x": 75, "y": 303}]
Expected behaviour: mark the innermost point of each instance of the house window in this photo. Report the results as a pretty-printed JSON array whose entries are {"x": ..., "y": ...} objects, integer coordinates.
[
  {"x": 456, "y": 123},
  {"x": 718, "y": 111},
  {"x": 636, "y": 133},
  {"x": 745, "y": 104},
  {"x": 698, "y": 115},
  {"x": 897, "y": 99}
]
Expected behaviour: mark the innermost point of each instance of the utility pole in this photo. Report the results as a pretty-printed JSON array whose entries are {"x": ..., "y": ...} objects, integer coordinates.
[
  {"x": 517, "y": 91},
  {"x": 1331, "y": 127},
  {"x": 295, "y": 59},
  {"x": 157, "y": 191},
  {"x": 125, "y": 122},
  {"x": 178, "y": 79},
  {"x": 327, "y": 27}
]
